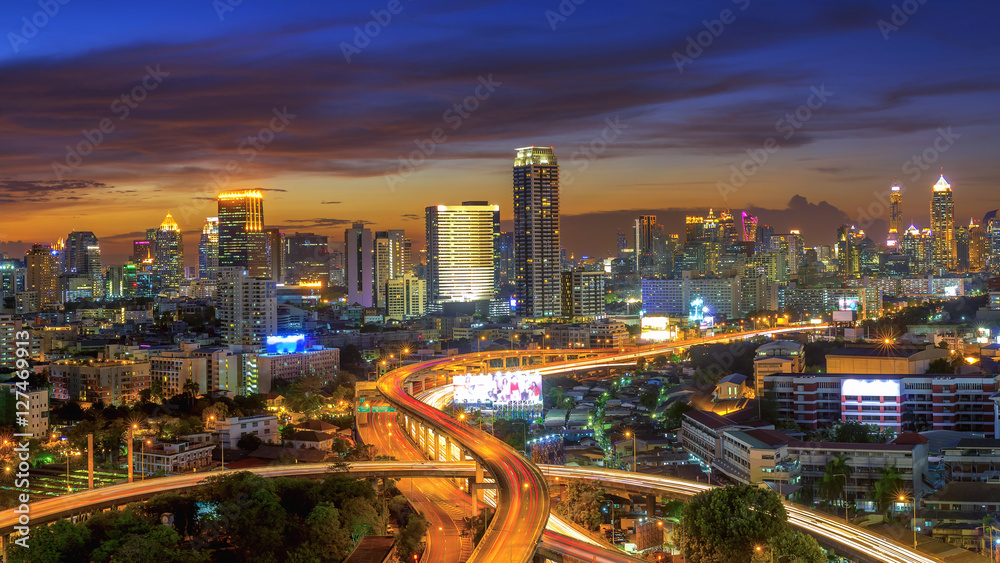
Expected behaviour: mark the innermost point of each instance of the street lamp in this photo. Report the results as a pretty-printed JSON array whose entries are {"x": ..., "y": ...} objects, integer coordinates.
[
  {"x": 632, "y": 434},
  {"x": 913, "y": 523},
  {"x": 142, "y": 458}
]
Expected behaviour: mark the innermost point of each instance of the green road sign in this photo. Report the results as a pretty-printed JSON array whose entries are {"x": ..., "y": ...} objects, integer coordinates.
[
  {"x": 364, "y": 409},
  {"x": 383, "y": 409}
]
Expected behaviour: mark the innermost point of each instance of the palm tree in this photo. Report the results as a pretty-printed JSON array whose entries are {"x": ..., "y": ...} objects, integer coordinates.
[
  {"x": 887, "y": 488},
  {"x": 835, "y": 478},
  {"x": 191, "y": 390}
]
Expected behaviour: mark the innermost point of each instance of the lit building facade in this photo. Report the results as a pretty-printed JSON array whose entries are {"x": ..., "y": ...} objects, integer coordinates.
[
  {"x": 242, "y": 241},
  {"x": 359, "y": 256},
  {"x": 168, "y": 260},
  {"x": 406, "y": 298},
  {"x": 42, "y": 277},
  {"x": 114, "y": 382},
  {"x": 246, "y": 306},
  {"x": 462, "y": 254},
  {"x": 208, "y": 249},
  {"x": 392, "y": 260},
  {"x": 307, "y": 258},
  {"x": 536, "y": 233},
  {"x": 943, "y": 226},
  {"x": 583, "y": 294}
]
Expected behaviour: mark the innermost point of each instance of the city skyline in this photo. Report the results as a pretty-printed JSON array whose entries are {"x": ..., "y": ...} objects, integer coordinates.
[{"x": 665, "y": 133}]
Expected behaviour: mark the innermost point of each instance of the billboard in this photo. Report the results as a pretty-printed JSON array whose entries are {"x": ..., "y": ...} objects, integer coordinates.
[
  {"x": 286, "y": 344},
  {"x": 657, "y": 329},
  {"x": 515, "y": 388},
  {"x": 847, "y": 304}
]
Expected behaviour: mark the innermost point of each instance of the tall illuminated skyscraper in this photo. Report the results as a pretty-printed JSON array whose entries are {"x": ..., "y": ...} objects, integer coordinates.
[
  {"x": 359, "y": 265},
  {"x": 82, "y": 258},
  {"x": 42, "y": 276},
  {"x": 392, "y": 260},
  {"x": 462, "y": 250},
  {"x": 246, "y": 306},
  {"x": 169, "y": 258},
  {"x": 242, "y": 241},
  {"x": 536, "y": 233},
  {"x": 208, "y": 250},
  {"x": 895, "y": 215},
  {"x": 647, "y": 235},
  {"x": 943, "y": 225},
  {"x": 275, "y": 254},
  {"x": 307, "y": 258}
]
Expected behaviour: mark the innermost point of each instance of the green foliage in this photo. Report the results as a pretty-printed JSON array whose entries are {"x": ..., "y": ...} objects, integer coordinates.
[
  {"x": 724, "y": 525},
  {"x": 361, "y": 452},
  {"x": 674, "y": 415},
  {"x": 941, "y": 366},
  {"x": 887, "y": 489},
  {"x": 249, "y": 442},
  {"x": 640, "y": 364},
  {"x": 835, "y": 476},
  {"x": 790, "y": 545},
  {"x": 650, "y": 399},
  {"x": 409, "y": 540},
  {"x": 184, "y": 508},
  {"x": 581, "y": 503},
  {"x": 59, "y": 542},
  {"x": 855, "y": 433}
]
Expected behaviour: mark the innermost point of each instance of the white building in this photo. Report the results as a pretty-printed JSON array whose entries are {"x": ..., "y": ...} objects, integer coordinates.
[
  {"x": 406, "y": 298},
  {"x": 461, "y": 253},
  {"x": 227, "y": 432},
  {"x": 171, "y": 456},
  {"x": 247, "y": 307},
  {"x": 173, "y": 369}
]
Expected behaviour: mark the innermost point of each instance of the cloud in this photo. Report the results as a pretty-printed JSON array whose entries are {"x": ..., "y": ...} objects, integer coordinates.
[{"x": 329, "y": 202}]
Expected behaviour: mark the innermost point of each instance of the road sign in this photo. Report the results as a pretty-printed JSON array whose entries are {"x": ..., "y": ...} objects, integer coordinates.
[
  {"x": 383, "y": 409},
  {"x": 364, "y": 408}
]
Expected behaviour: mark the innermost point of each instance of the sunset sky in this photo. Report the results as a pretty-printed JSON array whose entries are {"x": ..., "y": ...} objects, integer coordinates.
[{"x": 893, "y": 91}]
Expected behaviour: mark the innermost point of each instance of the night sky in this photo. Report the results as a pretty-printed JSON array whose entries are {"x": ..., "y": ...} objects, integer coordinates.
[{"x": 642, "y": 121}]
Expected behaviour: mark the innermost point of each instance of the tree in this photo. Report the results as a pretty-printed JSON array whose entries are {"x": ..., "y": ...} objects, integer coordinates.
[
  {"x": 835, "y": 476},
  {"x": 674, "y": 415},
  {"x": 795, "y": 545},
  {"x": 361, "y": 452},
  {"x": 249, "y": 442},
  {"x": 59, "y": 542},
  {"x": 409, "y": 540},
  {"x": 361, "y": 519},
  {"x": 640, "y": 364},
  {"x": 581, "y": 503},
  {"x": 326, "y": 537},
  {"x": 941, "y": 365},
  {"x": 724, "y": 525},
  {"x": 887, "y": 488}
]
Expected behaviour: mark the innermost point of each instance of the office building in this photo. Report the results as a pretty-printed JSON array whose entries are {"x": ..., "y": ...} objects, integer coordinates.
[
  {"x": 647, "y": 236},
  {"x": 895, "y": 215},
  {"x": 168, "y": 259},
  {"x": 945, "y": 254},
  {"x": 174, "y": 369},
  {"x": 42, "y": 277},
  {"x": 270, "y": 369},
  {"x": 978, "y": 246},
  {"x": 406, "y": 298},
  {"x": 462, "y": 254},
  {"x": 674, "y": 296},
  {"x": 536, "y": 233},
  {"x": 82, "y": 258},
  {"x": 307, "y": 258},
  {"x": 114, "y": 382},
  {"x": 227, "y": 432},
  {"x": 246, "y": 306},
  {"x": 12, "y": 274},
  {"x": 359, "y": 256},
  {"x": 583, "y": 294},
  {"x": 392, "y": 260},
  {"x": 505, "y": 255},
  {"x": 242, "y": 241},
  {"x": 275, "y": 254},
  {"x": 171, "y": 457},
  {"x": 208, "y": 249}
]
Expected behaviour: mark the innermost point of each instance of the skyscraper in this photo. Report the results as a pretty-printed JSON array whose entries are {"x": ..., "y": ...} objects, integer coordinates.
[
  {"x": 169, "y": 258},
  {"x": 943, "y": 225},
  {"x": 242, "y": 242},
  {"x": 307, "y": 258},
  {"x": 359, "y": 265},
  {"x": 246, "y": 306},
  {"x": 275, "y": 254},
  {"x": 208, "y": 249},
  {"x": 461, "y": 254},
  {"x": 648, "y": 234},
  {"x": 505, "y": 249},
  {"x": 749, "y": 227},
  {"x": 978, "y": 246},
  {"x": 895, "y": 215},
  {"x": 392, "y": 260},
  {"x": 82, "y": 258},
  {"x": 42, "y": 276},
  {"x": 536, "y": 233}
]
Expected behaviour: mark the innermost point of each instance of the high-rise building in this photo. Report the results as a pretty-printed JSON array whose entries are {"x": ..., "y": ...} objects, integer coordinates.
[
  {"x": 82, "y": 257},
  {"x": 406, "y": 297},
  {"x": 536, "y": 233},
  {"x": 505, "y": 251},
  {"x": 895, "y": 215},
  {"x": 275, "y": 254},
  {"x": 392, "y": 260},
  {"x": 919, "y": 247},
  {"x": 169, "y": 258},
  {"x": 583, "y": 294},
  {"x": 749, "y": 227},
  {"x": 246, "y": 306},
  {"x": 242, "y": 241},
  {"x": 848, "y": 251},
  {"x": 646, "y": 235},
  {"x": 120, "y": 281},
  {"x": 42, "y": 276},
  {"x": 943, "y": 225},
  {"x": 142, "y": 251},
  {"x": 359, "y": 265},
  {"x": 12, "y": 273},
  {"x": 307, "y": 258},
  {"x": 978, "y": 246},
  {"x": 208, "y": 249},
  {"x": 462, "y": 254}
]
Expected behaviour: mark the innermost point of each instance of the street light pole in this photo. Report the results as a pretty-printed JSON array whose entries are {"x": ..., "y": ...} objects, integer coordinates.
[
  {"x": 633, "y": 449},
  {"x": 913, "y": 523}
]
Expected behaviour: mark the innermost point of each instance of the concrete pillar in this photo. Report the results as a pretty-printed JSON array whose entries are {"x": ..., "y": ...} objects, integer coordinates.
[
  {"x": 90, "y": 462},
  {"x": 447, "y": 448},
  {"x": 478, "y": 496},
  {"x": 650, "y": 506}
]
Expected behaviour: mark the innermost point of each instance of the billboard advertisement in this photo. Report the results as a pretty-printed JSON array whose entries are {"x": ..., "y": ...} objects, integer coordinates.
[
  {"x": 847, "y": 304},
  {"x": 658, "y": 329},
  {"x": 286, "y": 344},
  {"x": 516, "y": 388}
]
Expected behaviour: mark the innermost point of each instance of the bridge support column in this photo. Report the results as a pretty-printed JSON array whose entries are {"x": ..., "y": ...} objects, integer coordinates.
[
  {"x": 650, "y": 506},
  {"x": 447, "y": 448},
  {"x": 476, "y": 494}
]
